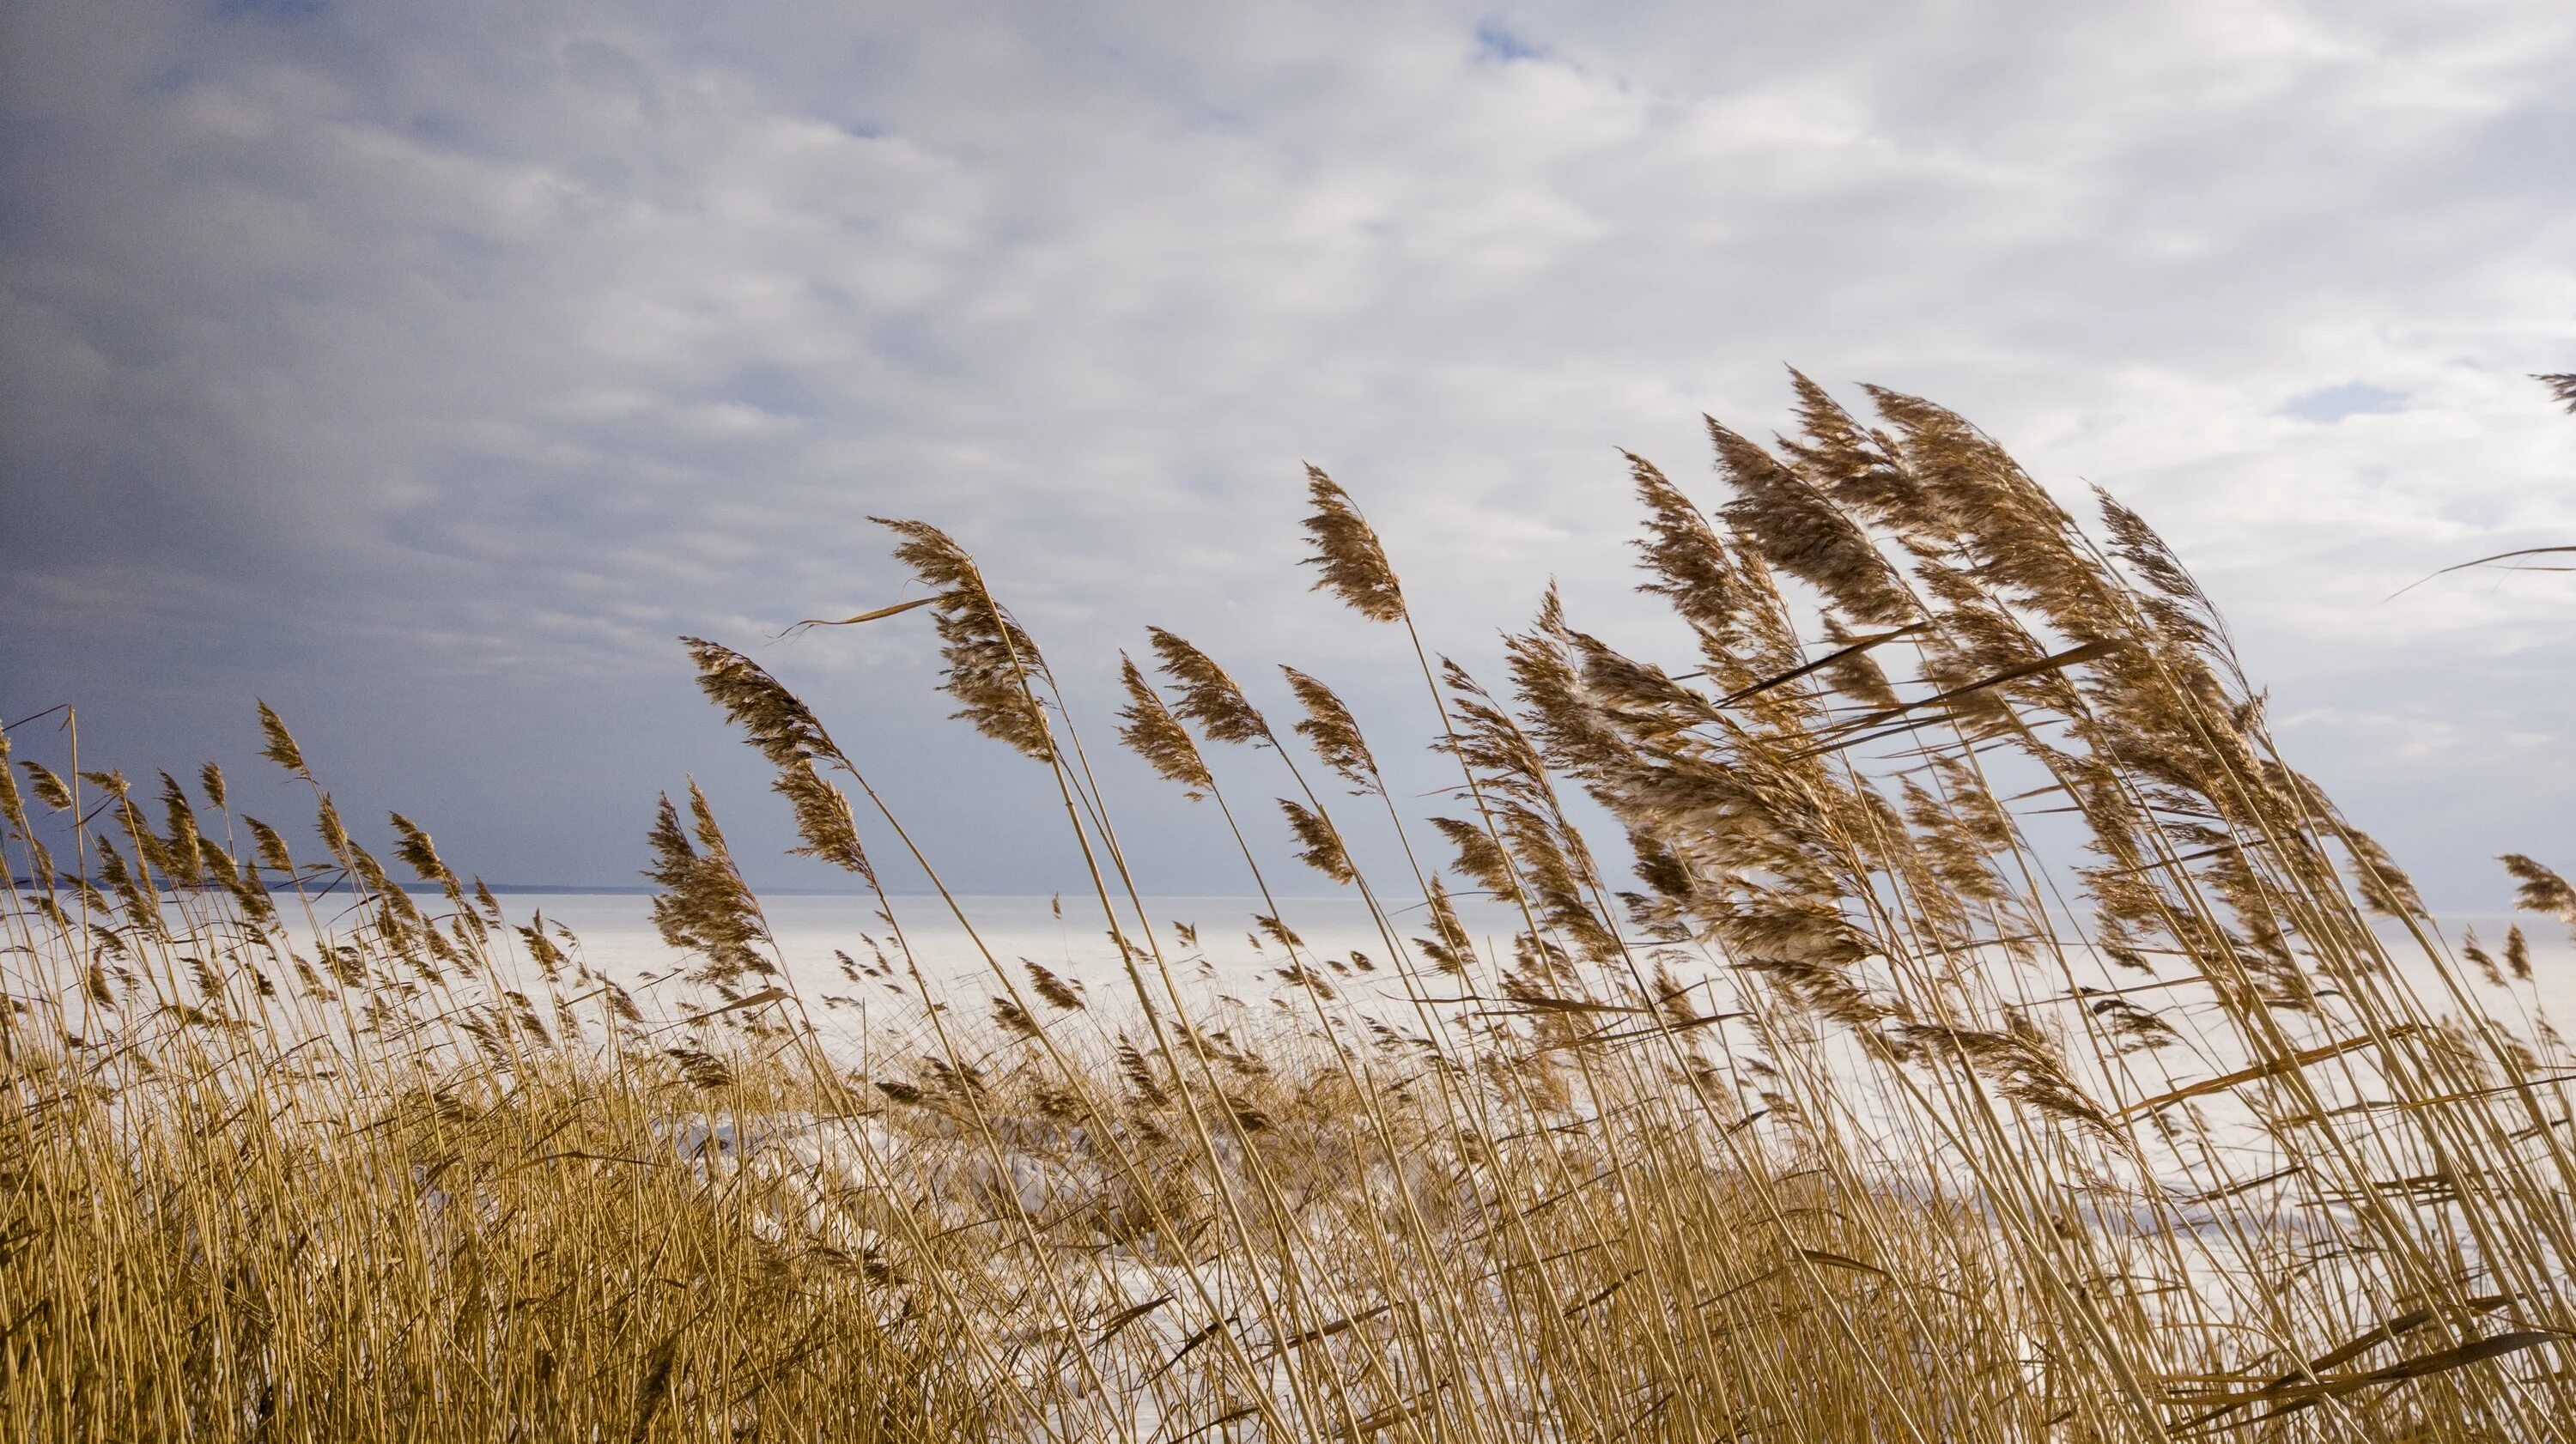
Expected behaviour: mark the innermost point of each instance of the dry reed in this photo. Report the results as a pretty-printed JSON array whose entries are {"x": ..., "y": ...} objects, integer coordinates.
[{"x": 1992, "y": 1037}]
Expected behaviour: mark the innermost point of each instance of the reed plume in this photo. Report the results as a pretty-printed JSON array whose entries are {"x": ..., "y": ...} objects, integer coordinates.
[
  {"x": 1330, "y": 729},
  {"x": 704, "y": 906},
  {"x": 1210, "y": 696},
  {"x": 1347, "y": 552},
  {"x": 990, "y": 658},
  {"x": 2541, "y": 890},
  {"x": 1978, "y": 1029},
  {"x": 785, "y": 731},
  {"x": 1319, "y": 846},
  {"x": 1153, "y": 733}
]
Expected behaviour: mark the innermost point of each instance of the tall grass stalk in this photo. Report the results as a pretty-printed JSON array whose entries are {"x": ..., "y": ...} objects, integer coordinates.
[{"x": 1988, "y": 1034}]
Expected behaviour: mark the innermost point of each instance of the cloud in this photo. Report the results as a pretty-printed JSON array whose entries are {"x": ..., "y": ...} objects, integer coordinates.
[
  {"x": 434, "y": 361},
  {"x": 2330, "y": 404}
]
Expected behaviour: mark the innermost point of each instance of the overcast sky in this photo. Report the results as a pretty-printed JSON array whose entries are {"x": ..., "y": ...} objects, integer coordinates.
[{"x": 426, "y": 368}]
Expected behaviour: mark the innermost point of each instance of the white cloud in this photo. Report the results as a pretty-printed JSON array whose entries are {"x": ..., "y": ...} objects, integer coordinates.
[{"x": 533, "y": 337}]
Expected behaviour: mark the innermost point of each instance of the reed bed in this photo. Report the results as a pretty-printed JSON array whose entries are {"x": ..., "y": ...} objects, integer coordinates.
[{"x": 1983, "y": 1033}]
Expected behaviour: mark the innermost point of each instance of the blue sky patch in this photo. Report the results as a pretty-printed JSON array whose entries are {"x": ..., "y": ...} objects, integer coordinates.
[
  {"x": 1496, "y": 42},
  {"x": 2350, "y": 398}
]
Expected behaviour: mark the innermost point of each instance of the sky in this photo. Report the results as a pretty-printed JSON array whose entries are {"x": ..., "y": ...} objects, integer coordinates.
[{"x": 427, "y": 369}]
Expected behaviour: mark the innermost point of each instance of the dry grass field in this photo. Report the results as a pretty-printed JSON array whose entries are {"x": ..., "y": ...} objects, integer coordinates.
[{"x": 1968, "y": 1026}]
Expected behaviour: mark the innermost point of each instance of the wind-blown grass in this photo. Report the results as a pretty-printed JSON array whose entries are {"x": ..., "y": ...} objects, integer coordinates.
[{"x": 1986, "y": 1034}]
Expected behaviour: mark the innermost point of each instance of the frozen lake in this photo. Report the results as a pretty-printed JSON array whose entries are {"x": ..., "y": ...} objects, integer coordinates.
[
  {"x": 616, "y": 931},
  {"x": 1221, "y": 953},
  {"x": 1215, "y": 947}
]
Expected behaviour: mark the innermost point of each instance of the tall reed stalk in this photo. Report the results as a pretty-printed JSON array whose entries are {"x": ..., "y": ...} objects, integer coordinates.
[{"x": 1986, "y": 1033}]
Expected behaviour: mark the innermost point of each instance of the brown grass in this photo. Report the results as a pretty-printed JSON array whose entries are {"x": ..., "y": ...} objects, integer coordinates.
[{"x": 1986, "y": 1034}]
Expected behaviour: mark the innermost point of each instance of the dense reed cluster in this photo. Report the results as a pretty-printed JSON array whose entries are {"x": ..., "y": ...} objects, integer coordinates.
[{"x": 1979, "y": 1032}]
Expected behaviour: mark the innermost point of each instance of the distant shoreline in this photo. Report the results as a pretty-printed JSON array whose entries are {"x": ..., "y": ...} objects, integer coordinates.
[
  {"x": 510, "y": 889},
  {"x": 2498, "y": 910}
]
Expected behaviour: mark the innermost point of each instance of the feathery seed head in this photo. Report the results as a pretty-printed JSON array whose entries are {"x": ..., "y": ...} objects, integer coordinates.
[
  {"x": 1480, "y": 857},
  {"x": 1691, "y": 565},
  {"x": 280, "y": 748},
  {"x": 2541, "y": 890},
  {"x": 823, "y": 820},
  {"x": 775, "y": 720},
  {"x": 1320, "y": 846},
  {"x": 704, "y": 906},
  {"x": 1151, "y": 731},
  {"x": 269, "y": 847},
  {"x": 1334, "y": 733},
  {"x": 1209, "y": 695},
  {"x": 1448, "y": 947},
  {"x": 1347, "y": 552},
  {"x": 1051, "y": 987},
  {"x": 1859, "y": 467},
  {"x": 49, "y": 786},
  {"x": 993, "y": 664},
  {"x": 416, "y": 852},
  {"x": 1798, "y": 529},
  {"x": 12, "y": 806},
  {"x": 2481, "y": 959},
  {"x": 2384, "y": 886},
  {"x": 326, "y": 821},
  {"x": 183, "y": 851}
]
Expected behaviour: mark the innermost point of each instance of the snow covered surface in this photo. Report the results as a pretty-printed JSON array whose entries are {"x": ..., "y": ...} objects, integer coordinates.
[{"x": 1069, "y": 936}]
